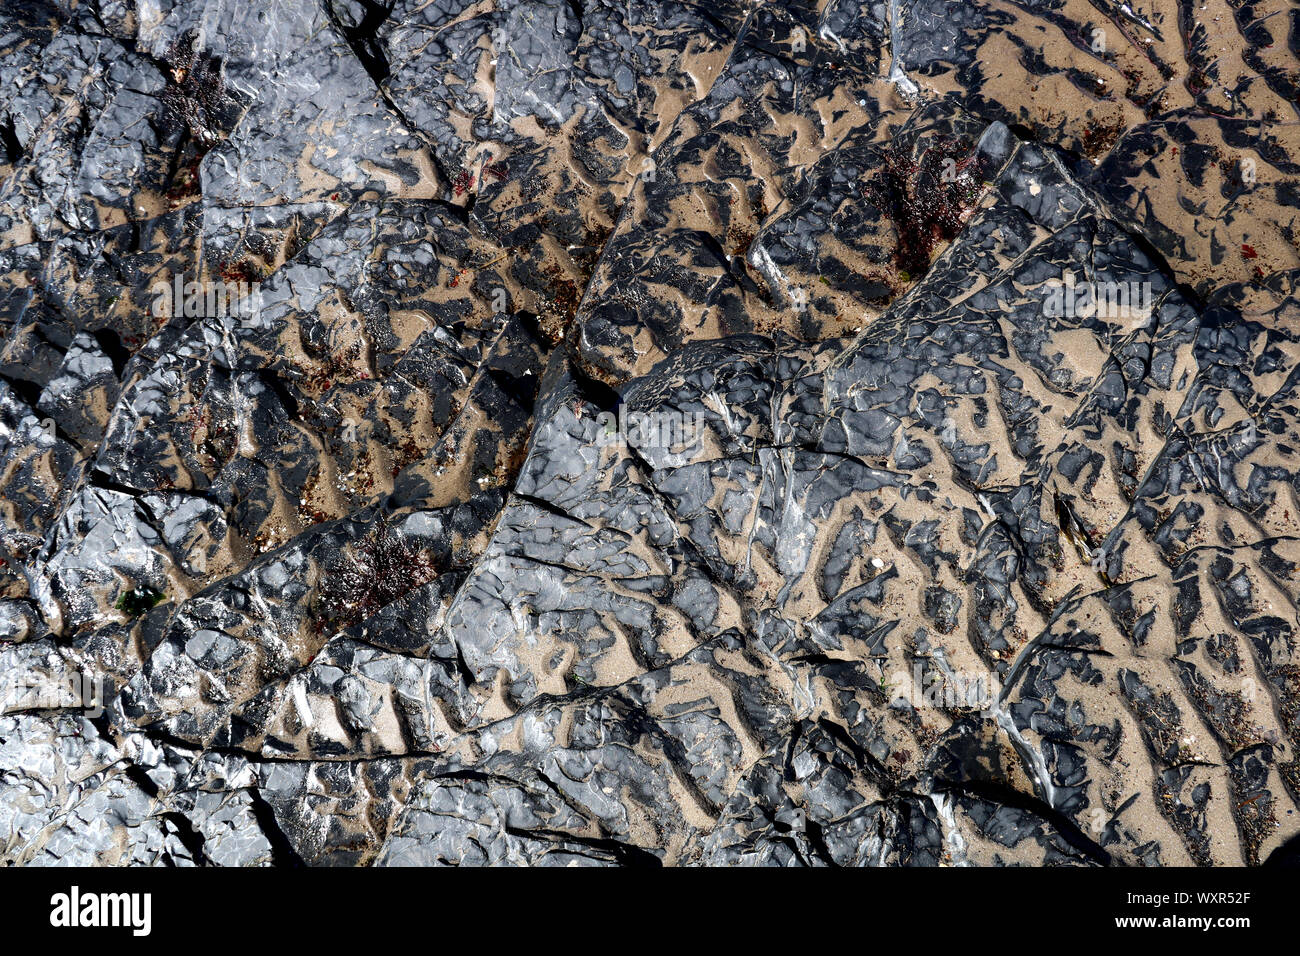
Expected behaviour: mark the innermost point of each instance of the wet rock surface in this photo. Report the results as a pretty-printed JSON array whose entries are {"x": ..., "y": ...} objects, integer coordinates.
[{"x": 838, "y": 433}]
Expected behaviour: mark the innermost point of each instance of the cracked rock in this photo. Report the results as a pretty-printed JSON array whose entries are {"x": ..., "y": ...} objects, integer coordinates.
[{"x": 543, "y": 433}]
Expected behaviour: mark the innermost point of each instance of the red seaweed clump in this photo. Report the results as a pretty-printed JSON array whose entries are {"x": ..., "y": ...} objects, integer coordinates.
[
  {"x": 381, "y": 568},
  {"x": 928, "y": 198}
]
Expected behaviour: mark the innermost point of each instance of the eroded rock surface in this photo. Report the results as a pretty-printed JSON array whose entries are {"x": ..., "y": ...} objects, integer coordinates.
[{"x": 649, "y": 434}]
